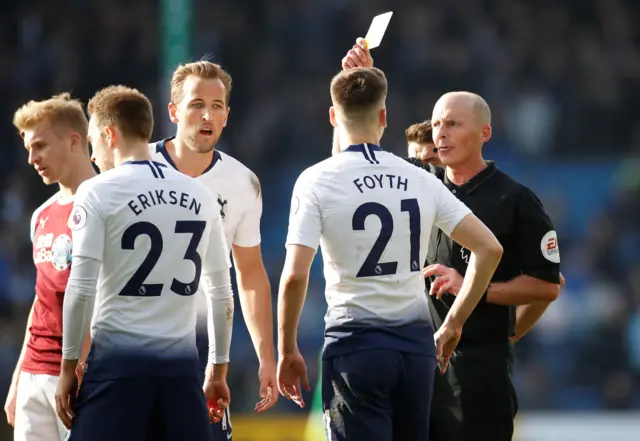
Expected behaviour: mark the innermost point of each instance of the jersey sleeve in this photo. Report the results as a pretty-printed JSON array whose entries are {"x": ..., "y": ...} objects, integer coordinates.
[
  {"x": 32, "y": 225},
  {"x": 216, "y": 284},
  {"x": 305, "y": 221},
  {"x": 247, "y": 233},
  {"x": 87, "y": 223},
  {"x": 217, "y": 254},
  {"x": 536, "y": 239},
  {"x": 450, "y": 210}
]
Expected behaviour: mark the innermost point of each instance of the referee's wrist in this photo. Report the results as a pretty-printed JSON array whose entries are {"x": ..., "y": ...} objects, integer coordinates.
[{"x": 483, "y": 299}]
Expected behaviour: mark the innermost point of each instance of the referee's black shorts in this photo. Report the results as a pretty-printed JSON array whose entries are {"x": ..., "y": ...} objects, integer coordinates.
[{"x": 475, "y": 399}]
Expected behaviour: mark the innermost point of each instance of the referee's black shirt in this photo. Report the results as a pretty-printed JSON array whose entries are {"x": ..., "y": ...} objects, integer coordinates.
[{"x": 516, "y": 217}]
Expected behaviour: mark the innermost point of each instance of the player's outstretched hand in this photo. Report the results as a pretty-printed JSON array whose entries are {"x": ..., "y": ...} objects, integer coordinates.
[
  {"x": 268, "y": 382},
  {"x": 292, "y": 370},
  {"x": 66, "y": 396},
  {"x": 10, "y": 403},
  {"x": 218, "y": 397},
  {"x": 358, "y": 56},
  {"x": 447, "y": 280},
  {"x": 446, "y": 339}
]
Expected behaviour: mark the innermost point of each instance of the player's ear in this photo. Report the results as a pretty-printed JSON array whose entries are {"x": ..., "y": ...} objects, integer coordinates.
[
  {"x": 332, "y": 116},
  {"x": 111, "y": 134},
  {"x": 173, "y": 116},
  {"x": 485, "y": 135},
  {"x": 76, "y": 141},
  {"x": 383, "y": 117}
]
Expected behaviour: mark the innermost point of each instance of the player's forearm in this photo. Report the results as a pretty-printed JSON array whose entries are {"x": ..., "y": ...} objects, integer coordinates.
[
  {"x": 77, "y": 310},
  {"x": 220, "y": 323},
  {"x": 527, "y": 316},
  {"x": 78, "y": 304},
  {"x": 255, "y": 300},
  {"x": 522, "y": 290},
  {"x": 217, "y": 371},
  {"x": 291, "y": 299},
  {"x": 482, "y": 265}
]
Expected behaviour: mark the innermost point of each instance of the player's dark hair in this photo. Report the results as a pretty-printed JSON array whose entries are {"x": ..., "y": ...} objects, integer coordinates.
[
  {"x": 359, "y": 93},
  {"x": 420, "y": 133},
  {"x": 126, "y": 108}
]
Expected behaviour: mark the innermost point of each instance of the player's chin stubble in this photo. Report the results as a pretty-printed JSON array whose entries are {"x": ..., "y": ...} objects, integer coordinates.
[{"x": 200, "y": 147}]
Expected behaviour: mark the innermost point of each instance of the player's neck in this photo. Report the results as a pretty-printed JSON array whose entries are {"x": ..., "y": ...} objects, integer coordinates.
[
  {"x": 461, "y": 174},
  {"x": 134, "y": 152},
  {"x": 347, "y": 139},
  {"x": 80, "y": 173},
  {"x": 186, "y": 160}
]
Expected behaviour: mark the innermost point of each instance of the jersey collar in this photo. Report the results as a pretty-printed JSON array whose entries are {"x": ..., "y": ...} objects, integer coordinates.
[
  {"x": 475, "y": 182},
  {"x": 161, "y": 147},
  {"x": 367, "y": 150},
  {"x": 363, "y": 147}
]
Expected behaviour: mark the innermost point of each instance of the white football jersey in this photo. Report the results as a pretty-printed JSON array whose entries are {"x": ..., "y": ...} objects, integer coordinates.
[
  {"x": 372, "y": 213},
  {"x": 236, "y": 190},
  {"x": 156, "y": 232}
]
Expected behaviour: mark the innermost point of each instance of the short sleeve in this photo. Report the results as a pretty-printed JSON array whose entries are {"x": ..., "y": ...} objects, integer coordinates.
[
  {"x": 305, "y": 222},
  {"x": 536, "y": 239},
  {"x": 217, "y": 253},
  {"x": 87, "y": 224},
  {"x": 247, "y": 233},
  {"x": 450, "y": 210}
]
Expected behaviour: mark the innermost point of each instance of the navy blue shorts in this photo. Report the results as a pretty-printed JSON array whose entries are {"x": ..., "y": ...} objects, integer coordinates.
[
  {"x": 377, "y": 394},
  {"x": 141, "y": 409}
]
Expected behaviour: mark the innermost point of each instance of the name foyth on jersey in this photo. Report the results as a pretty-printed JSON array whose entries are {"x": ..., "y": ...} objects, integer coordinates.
[
  {"x": 376, "y": 181},
  {"x": 157, "y": 197}
]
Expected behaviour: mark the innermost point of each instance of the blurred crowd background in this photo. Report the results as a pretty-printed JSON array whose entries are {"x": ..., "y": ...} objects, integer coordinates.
[{"x": 562, "y": 80}]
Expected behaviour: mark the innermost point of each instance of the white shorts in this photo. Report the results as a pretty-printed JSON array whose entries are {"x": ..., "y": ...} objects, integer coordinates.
[{"x": 36, "y": 418}]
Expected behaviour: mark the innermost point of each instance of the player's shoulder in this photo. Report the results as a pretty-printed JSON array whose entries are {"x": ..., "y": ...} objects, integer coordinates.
[
  {"x": 313, "y": 173},
  {"x": 46, "y": 204},
  {"x": 42, "y": 208},
  {"x": 232, "y": 166},
  {"x": 100, "y": 182},
  {"x": 235, "y": 172}
]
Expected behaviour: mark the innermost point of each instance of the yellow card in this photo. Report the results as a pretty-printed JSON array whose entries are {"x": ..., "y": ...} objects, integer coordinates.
[{"x": 377, "y": 29}]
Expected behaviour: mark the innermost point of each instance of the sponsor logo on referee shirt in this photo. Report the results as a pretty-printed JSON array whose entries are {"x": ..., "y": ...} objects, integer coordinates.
[{"x": 549, "y": 247}]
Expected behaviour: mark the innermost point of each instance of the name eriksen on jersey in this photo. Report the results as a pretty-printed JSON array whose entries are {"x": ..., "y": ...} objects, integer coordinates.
[
  {"x": 381, "y": 181},
  {"x": 157, "y": 197}
]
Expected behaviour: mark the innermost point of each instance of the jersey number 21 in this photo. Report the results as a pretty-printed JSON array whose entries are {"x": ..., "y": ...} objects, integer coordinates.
[{"x": 372, "y": 266}]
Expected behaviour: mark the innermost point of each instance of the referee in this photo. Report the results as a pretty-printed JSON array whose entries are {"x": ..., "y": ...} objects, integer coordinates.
[{"x": 475, "y": 398}]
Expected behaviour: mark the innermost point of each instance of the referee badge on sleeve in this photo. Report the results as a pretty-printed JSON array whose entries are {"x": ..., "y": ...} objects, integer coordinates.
[
  {"x": 78, "y": 218},
  {"x": 549, "y": 247}
]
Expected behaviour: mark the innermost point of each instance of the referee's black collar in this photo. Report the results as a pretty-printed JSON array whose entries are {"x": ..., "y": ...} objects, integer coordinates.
[{"x": 475, "y": 182}]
